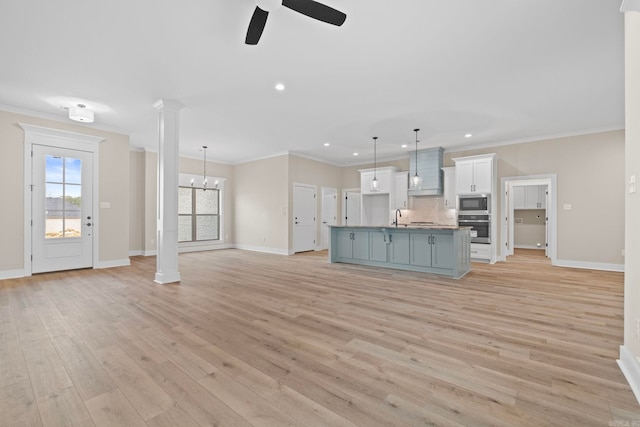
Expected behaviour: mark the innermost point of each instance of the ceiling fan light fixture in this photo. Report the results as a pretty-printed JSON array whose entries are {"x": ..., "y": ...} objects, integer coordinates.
[
  {"x": 81, "y": 114},
  {"x": 630, "y": 6},
  {"x": 269, "y": 5}
]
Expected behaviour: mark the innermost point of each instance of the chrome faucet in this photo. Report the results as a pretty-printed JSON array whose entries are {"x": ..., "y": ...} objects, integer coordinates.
[{"x": 397, "y": 213}]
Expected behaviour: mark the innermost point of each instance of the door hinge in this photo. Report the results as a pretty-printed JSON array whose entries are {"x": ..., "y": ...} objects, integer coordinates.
[
  {"x": 31, "y": 257},
  {"x": 314, "y": 242},
  {"x": 31, "y": 186},
  {"x": 31, "y": 153}
]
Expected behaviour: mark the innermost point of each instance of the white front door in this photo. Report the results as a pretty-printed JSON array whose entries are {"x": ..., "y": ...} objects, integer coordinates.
[
  {"x": 304, "y": 218},
  {"x": 329, "y": 202},
  {"x": 62, "y": 217}
]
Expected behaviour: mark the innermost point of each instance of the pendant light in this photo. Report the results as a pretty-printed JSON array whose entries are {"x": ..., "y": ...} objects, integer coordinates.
[
  {"x": 416, "y": 180},
  {"x": 204, "y": 169},
  {"x": 374, "y": 182}
]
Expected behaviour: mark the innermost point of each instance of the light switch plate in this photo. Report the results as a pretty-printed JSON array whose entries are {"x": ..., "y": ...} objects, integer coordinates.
[
  {"x": 632, "y": 184},
  {"x": 567, "y": 206},
  {"x": 105, "y": 205}
]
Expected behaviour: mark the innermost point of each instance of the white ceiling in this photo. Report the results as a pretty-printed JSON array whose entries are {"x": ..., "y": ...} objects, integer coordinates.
[{"x": 503, "y": 70}]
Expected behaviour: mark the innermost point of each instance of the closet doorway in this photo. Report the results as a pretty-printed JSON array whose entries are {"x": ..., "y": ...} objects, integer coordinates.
[{"x": 529, "y": 214}]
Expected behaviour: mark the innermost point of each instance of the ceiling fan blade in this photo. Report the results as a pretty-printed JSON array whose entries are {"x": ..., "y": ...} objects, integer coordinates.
[
  {"x": 256, "y": 26},
  {"x": 316, "y": 10}
]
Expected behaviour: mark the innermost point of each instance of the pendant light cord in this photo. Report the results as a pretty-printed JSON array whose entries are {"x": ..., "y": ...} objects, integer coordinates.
[
  {"x": 375, "y": 140},
  {"x": 416, "y": 131},
  {"x": 204, "y": 167}
]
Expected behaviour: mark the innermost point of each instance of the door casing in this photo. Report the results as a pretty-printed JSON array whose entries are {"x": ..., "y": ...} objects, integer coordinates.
[{"x": 63, "y": 139}]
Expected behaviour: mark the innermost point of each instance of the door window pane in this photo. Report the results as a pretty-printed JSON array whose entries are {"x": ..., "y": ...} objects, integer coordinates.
[
  {"x": 54, "y": 171},
  {"x": 63, "y": 197},
  {"x": 54, "y": 226},
  {"x": 72, "y": 171}
]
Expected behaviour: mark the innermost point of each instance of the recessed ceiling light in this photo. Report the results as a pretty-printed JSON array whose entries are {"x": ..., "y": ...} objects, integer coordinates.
[
  {"x": 279, "y": 87},
  {"x": 468, "y": 135},
  {"x": 326, "y": 144},
  {"x": 404, "y": 145},
  {"x": 355, "y": 154}
]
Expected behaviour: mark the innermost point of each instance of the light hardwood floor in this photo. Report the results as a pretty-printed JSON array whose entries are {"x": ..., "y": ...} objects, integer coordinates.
[{"x": 257, "y": 339}]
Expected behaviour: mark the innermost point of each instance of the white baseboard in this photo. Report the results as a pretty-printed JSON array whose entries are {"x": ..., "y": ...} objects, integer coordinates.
[
  {"x": 541, "y": 248},
  {"x": 589, "y": 265},
  {"x": 12, "y": 274},
  {"x": 139, "y": 252},
  {"x": 631, "y": 369},
  {"x": 150, "y": 253},
  {"x": 114, "y": 263},
  {"x": 263, "y": 249},
  {"x": 198, "y": 248}
]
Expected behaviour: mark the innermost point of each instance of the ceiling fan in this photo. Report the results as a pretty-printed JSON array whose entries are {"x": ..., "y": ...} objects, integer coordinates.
[{"x": 310, "y": 8}]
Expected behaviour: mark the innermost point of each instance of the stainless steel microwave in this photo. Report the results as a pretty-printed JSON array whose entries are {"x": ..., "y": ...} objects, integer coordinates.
[{"x": 474, "y": 204}]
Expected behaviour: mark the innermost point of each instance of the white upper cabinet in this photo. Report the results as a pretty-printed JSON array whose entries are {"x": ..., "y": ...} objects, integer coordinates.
[
  {"x": 401, "y": 190},
  {"x": 449, "y": 187},
  {"x": 475, "y": 174},
  {"x": 385, "y": 177},
  {"x": 529, "y": 196}
]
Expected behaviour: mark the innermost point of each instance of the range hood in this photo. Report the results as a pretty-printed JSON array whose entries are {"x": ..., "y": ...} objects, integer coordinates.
[{"x": 430, "y": 169}]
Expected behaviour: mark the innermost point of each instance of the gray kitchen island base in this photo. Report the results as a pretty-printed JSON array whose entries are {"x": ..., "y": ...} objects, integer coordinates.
[{"x": 440, "y": 250}]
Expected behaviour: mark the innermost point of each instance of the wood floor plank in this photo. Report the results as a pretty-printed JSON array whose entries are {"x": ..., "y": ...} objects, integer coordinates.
[
  {"x": 148, "y": 399},
  {"x": 18, "y": 406},
  {"x": 174, "y": 417},
  {"x": 87, "y": 375},
  {"x": 204, "y": 407},
  {"x": 260, "y": 339},
  {"x": 64, "y": 408},
  {"x": 113, "y": 409},
  {"x": 46, "y": 370}
]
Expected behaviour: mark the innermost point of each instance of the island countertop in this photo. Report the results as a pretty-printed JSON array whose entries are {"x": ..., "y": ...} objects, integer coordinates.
[{"x": 407, "y": 227}]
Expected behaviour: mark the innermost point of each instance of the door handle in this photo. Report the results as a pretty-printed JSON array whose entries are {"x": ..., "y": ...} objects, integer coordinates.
[
  {"x": 324, "y": 222},
  {"x": 88, "y": 224}
]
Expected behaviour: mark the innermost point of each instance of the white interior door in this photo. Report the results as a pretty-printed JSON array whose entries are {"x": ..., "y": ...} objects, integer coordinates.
[
  {"x": 62, "y": 217},
  {"x": 352, "y": 208},
  {"x": 329, "y": 214},
  {"x": 304, "y": 218}
]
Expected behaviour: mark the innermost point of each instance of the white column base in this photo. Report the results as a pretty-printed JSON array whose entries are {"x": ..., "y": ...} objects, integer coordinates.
[{"x": 164, "y": 278}]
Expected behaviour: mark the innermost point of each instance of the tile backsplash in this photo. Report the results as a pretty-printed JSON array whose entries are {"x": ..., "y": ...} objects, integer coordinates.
[{"x": 428, "y": 209}]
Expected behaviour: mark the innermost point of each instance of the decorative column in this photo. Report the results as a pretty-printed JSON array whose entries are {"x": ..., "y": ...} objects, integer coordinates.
[{"x": 168, "y": 153}]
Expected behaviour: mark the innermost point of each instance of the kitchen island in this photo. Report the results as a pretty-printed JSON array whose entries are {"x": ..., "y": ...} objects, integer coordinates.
[{"x": 440, "y": 249}]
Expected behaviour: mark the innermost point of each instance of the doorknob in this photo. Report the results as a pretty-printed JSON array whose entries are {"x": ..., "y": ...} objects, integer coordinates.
[{"x": 88, "y": 224}]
